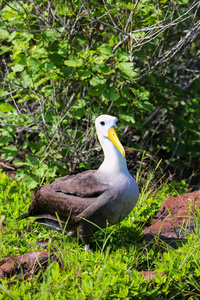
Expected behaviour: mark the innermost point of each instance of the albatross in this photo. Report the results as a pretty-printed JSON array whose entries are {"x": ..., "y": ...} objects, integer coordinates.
[{"x": 81, "y": 204}]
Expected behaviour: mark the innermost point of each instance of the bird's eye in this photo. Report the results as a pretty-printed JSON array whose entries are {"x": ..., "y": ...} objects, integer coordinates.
[{"x": 102, "y": 123}]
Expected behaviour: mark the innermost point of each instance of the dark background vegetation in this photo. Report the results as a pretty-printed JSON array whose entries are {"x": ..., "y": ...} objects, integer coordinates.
[{"x": 65, "y": 62}]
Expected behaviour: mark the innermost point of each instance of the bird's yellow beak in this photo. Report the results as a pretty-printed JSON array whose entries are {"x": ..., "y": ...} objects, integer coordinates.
[{"x": 112, "y": 135}]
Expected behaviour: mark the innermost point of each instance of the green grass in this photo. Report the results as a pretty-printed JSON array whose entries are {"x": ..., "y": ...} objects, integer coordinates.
[{"x": 111, "y": 269}]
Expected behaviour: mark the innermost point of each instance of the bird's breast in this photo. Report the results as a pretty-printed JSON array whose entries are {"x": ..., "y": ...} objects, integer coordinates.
[{"x": 125, "y": 191}]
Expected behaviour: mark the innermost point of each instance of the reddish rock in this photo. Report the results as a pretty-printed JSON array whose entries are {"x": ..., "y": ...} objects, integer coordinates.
[
  {"x": 149, "y": 274},
  {"x": 26, "y": 265},
  {"x": 175, "y": 219}
]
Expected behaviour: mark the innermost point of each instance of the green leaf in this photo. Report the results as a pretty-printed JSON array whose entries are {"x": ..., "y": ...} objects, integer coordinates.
[
  {"x": 66, "y": 71},
  {"x": 74, "y": 62},
  {"x": 126, "y": 93},
  {"x": 50, "y": 34},
  {"x": 144, "y": 95},
  {"x": 99, "y": 59},
  {"x": 120, "y": 102},
  {"x": 110, "y": 93},
  {"x": 8, "y": 152},
  {"x": 122, "y": 55},
  {"x": 140, "y": 54},
  {"x": 40, "y": 172},
  {"x": 79, "y": 113},
  {"x": 9, "y": 15},
  {"x": 129, "y": 118},
  {"x": 103, "y": 69},
  {"x": 105, "y": 49},
  {"x": 4, "y": 34},
  {"x": 18, "y": 163},
  {"x": 35, "y": 146},
  {"x": 6, "y": 107},
  {"x": 97, "y": 80},
  {"x": 18, "y": 68},
  {"x": 4, "y": 49},
  {"x": 21, "y": 59},
  {"x": 96, "y": 91},
  {"x": 127, "y": 68},
  {"x": 56, "y": 59},
  {"x": 129, "y": 5},
  {"x": 27, "y": 35},
  {"x": 146, "y": 105},
  {"x": 40, "y": 82},
  {"x": 30, "y": 181},
  {"x": 31, "y": 159},
  {"x": 5, "y": 140},
  {"x": 84, "y": 73}
]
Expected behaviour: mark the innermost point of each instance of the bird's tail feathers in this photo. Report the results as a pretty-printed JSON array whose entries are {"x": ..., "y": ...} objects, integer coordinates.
[
  {"x": 23, "y": 216},
  {"x": 55, "y": 224},
  {"x": 51, "y": 223}
]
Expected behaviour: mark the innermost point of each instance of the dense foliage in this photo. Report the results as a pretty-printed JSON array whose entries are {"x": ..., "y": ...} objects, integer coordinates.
[{"x": 65, "y": 62}]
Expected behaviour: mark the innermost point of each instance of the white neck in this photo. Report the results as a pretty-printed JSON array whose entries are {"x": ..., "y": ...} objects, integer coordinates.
[{"x": 113, "y": 160}]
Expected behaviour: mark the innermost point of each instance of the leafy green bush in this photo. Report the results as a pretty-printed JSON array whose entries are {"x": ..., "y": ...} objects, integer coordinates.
[{"x": 64, "y": 63}]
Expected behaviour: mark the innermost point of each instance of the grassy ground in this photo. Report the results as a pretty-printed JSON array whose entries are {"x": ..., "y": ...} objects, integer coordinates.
[{"x": 111, "y": 269}]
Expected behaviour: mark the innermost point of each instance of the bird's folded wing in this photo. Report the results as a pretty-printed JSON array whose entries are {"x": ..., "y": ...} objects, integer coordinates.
[
  {"x": 83, "y": 185},
  {"x": 69, "y": 197},
  {"x": 96, "y": 208}
]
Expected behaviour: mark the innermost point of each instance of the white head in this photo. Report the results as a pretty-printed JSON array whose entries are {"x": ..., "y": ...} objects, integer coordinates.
[
  {"x": 103, "y": 124},
  {"x": 113, "y": 150}
]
